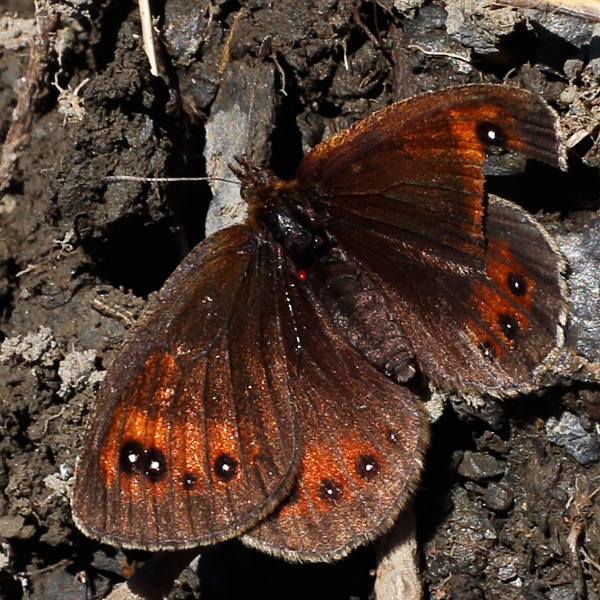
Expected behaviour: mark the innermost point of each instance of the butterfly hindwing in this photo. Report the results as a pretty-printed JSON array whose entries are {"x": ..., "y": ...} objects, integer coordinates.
[{"x": 362, "y": 440}]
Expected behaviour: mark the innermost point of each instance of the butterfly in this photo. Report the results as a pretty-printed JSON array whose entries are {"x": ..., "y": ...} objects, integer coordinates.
[{"x": 266, "y": 393}]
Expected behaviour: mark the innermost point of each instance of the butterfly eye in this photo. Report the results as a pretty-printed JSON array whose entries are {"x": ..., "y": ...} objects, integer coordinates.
[
  {"x": 517, "y": 284},
  {"x": 509, "y": 325},
  {"x": 491, "y": 134},
  {"x": 329, "y": 490},
  {"x": 225, "y": 467},
  {"x": 367, "y": 466}
]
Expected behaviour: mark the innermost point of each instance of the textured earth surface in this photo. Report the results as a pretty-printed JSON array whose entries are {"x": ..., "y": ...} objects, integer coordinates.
[{"x": 508, "y": 507}]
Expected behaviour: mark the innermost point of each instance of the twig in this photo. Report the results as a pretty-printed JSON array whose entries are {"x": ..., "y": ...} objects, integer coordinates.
[
  {"x": 225, "y": 58},
  {"x": 23, "y": 113},
  {"x": 154, "y": 579},
  {"x": 441, "y": 54},
  {"x": 281, "y": 72},
  {"x": 148, "y": 35},
  {"x": 363, "y": 26},
  {"x": 30, "y": 575}
]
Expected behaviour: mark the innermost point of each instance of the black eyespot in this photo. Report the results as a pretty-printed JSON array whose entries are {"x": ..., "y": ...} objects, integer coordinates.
[
  {"x": 225, "y": 467},
  {"x": 367, "y": 466},
  {"x": 155, "y": 464},
  {"x": 488, "y": 351},
  {"x": 131, "y": 457},
  {"x": 517, "y": 284},
  {"x": 509, "y": 325},
  {"x": 491, "y": 134},
  {"x": 329, "y": 490},
  {"x": 392, "y": 436},
  {"x": 189, "y": 481}
]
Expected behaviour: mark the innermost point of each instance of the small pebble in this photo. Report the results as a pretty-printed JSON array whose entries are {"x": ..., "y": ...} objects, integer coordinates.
[
  {"x": 10, "y": 526},
  {"x": 498, "y": 497},
  {"x": 479, "y": 466},
  {"x": 566, "y": 431}
]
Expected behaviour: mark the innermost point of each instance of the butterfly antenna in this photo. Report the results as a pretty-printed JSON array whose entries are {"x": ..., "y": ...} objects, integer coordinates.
[{"x": 134, "y": 178}]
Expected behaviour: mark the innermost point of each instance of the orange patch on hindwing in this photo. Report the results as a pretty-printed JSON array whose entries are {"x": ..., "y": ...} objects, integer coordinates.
[
  {"x": 322, "y": 477},
  {"x": 506, "y": 272},
  {"x": 504, "y": 304},
  {"x": 329, "y": 476},
  {"x": 363, "y": 461}
]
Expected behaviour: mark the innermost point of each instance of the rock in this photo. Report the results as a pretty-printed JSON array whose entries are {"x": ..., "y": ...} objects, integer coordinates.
[
  {"x": 479, "y": 466},
  {"x": 567, "y": 432},
  {"x": 10, "y": 526},
  {"x": 498, "y": 497}
]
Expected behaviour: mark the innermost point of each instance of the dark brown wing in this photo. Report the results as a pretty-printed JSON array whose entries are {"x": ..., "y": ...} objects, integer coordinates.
[
  {"x": 402, "y": 192},
  {"x": 362, "y": 440},
  {"x": 193, "y": 437}
]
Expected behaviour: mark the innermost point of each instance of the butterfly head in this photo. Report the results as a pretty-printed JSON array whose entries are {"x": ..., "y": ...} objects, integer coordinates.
[{"x": 261, "y": 188}]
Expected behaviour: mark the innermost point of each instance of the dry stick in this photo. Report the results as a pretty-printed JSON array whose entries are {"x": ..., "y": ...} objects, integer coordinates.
[
  {"x": 126, "y": 317},
  {"x": 225, "y": 58},
  {"x": 274, "y": 58},
  {"x": 148, "y": 35},
  {"x": 589, "y": 9},
  {"x": 155, "y": 578},
  {"x": 397, "y": 561},
  {"x": 23, "y": 113},
  {"x": 376, "y": 42},
  {"x": 439, "y": 54},
  {"x": 30, "y": 575},
  {"x": 363, "y": 26},
  {"x": 579, "y": 587},
  {"x": 264, "y": 50}
]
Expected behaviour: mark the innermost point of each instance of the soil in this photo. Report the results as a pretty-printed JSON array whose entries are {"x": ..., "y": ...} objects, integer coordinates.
[{"x": 508, "y": 507}]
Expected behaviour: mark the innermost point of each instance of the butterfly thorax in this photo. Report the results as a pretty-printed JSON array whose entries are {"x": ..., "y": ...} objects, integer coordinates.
[
  {"x": 354, "y": 302},
  {"x": 275, "y": 208}
]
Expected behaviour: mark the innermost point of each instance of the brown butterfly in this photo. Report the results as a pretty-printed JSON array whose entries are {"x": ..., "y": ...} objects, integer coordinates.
[{"x": 263, "y": 392}]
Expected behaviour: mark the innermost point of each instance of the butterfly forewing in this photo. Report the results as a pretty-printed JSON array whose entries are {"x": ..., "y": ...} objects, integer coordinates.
[
  {"x": 404, "y": 196},
  {"x": 193, "y": 435},
  {"x": 362, "y": 440}
]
